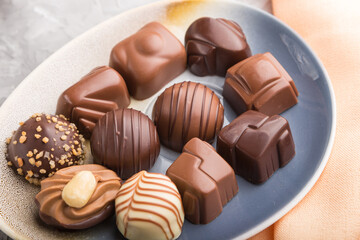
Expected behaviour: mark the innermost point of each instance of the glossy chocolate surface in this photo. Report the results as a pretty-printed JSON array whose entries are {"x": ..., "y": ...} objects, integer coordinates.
[
  {"x": 42, "y": 145},
  {"x": 187, "y": 110},
  {"x": 260, "y": 83},
  {"x": 256, "y": 145},
  {"x": 213, "y": 45},
  {"x": 148, "y": 59},
  {"x": 204, "y": 179},
  {"x": 54, "y": 211},
  {"x": 97, "y": 93},
  {"x": 126, "y": 141},
  {"x": 148, "y": 206}
]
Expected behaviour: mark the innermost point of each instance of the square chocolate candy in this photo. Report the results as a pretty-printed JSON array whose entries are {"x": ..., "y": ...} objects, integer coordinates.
[
  {"x": 259, "y": 83},
  {"x": 148, "y": 59},
  {"x": 256, "y": 145},
  {"x": 205, "y": 181}
]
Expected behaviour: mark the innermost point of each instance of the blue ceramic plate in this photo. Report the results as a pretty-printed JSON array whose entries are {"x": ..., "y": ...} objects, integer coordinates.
[{"x": 255, "y": 207}]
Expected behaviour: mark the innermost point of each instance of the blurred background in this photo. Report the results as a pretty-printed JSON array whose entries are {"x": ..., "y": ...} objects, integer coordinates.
[{"x": 30, "y": 31}]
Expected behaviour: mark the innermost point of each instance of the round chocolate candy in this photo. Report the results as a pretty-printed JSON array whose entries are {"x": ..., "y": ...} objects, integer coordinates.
[
  {"x": 126, "y": 141},
  {"x": 42, "y": 145},
  {"x": 213, "y": 45},
  {"x": 149, "y": 206},
  {"x": 92, "y": 185},
  {"x": 187, "y": 110}
]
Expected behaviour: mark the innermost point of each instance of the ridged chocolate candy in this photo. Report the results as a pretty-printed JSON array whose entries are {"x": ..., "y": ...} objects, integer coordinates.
[
  {"x": 42, "y": 145},
  {"x": 213, "y": 45},
  {"x": 126, "y": 141},
  {"x": 187, "y": 110},
  {"x": 97, "y": 93}
]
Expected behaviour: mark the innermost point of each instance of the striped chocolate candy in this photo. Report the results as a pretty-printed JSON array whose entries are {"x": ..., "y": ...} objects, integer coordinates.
[
  {"x": 187, "y": 110},
  {"x": 148, "y": 206}
]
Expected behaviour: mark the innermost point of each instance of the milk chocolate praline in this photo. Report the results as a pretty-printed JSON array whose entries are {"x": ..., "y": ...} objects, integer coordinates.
[
  {"x": 187, "y": 110},
  {"x": 148, "y": 59},
  {"x": 98, "y": 92},
  {"x": 213, "y": 45},
  {"x": 259, "y": 83},
  {"x": 126, "y": 141},
  {"x": 42, "y": 145},
  {"x": 53, "y": 210}
]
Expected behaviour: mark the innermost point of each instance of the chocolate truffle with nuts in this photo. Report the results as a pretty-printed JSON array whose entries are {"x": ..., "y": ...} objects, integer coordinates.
[{"x": 42, "y": 145}]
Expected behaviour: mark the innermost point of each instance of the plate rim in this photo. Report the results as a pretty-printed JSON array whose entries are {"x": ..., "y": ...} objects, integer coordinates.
[{"x": 9, "y": 231}]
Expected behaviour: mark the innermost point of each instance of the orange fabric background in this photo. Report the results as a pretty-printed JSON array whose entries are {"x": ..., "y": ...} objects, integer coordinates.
[{"x": 331, "y": 210}]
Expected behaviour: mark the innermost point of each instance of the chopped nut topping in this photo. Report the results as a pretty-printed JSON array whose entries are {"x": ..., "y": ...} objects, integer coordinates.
[
  {"x": 61, "y": 129},
  {"x": 38, "y": 163},
  {"x": 30, "y": 173},
  {"x": 54, "y": 119},
  {"x": 38, "y": 119},
  {"x": 61, "y": 162},
  {"x": 32, "y": 161},
  {"x": 9, "y": 163},
  {"x": 14, "y": 142},
  {"x": 66, "y": 147},
  {"x": 29, "y": 154},
  {"x": 39, "y": 129},
  {"x": 47, "y": 116},
  {"x": 39, "y": 155},
  {"x": 23, "y": 133},
  {"x": 74, "y": 152},
  {"x": 20, "y": 162},
  {"x": 43, "y": 171},
  {"x": 45, "y": 140},
  {"x": 20, "y": 171},
  {"x": 8, "y": 140},
  {"x": 21, "y": 123},
  {"x": 22, "y": 139},
  {"x": 37, "y": 136},
  {"x": 52, "y": 149},
  {"x": 67, "y": 132},
  {"x": 52, "y": 164},
  {"x": 35, "y": 151}
]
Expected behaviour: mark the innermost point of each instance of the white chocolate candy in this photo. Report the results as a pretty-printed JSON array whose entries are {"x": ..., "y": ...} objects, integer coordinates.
[
  {"x": 79, "y": 190},
  {"x": 148, "y": 206}
]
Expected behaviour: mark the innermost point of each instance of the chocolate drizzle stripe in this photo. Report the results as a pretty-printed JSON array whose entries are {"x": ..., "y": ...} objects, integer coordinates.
[
  {"x": 201, "y": 130},
  {"x": 145, "y": 220},
  {"x": 170, "y": 117},
  {"x": 185, "y": 112},
  {"x": 140, "y": 138},
  {"x": 217, "y": 117},
  {"x": 191, "y": 110},
  {"x": 209, "y": 111},
  {"x": 149, "y": 189}
]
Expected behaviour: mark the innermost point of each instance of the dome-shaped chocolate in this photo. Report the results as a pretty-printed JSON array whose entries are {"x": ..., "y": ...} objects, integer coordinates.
[
  {"x": 44, "y": 144},
  {"x": 187, "y": 110},
  {"x": 126, "y": 141}
]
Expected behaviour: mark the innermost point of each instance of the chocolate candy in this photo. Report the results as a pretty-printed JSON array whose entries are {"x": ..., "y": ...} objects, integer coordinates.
[
  {"x": 205, "y": 181},
  {"x": 55, "y": 211},
  {"x": 256, "y": 145},
  {"x": 42, "y": 145},
  {"x": 126, "y": 141},
  {"x": 187, "y": 110},
  {"x": 148, "y": 206},
  {"x": 148, "y": 59},
  {"x": 213, "y": 45},
  {"x": 259, "y": 83},
  {"x": 97, "y": 93}
]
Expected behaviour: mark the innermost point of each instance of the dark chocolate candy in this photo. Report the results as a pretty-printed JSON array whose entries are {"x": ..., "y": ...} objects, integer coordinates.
[
  {"x": 126, "y": 141},
  {"x": 256, "y": 145},
  {"x": 148, "y": 59},
  {"x": 204, "y": 179},
  {"x": 187, "y": 110},
  {"x": 42, "y": 145},
  {"x": 98, "y": 92},
  {"x": 259, "y": 83},
  {"x": 213, "y": 45}
]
